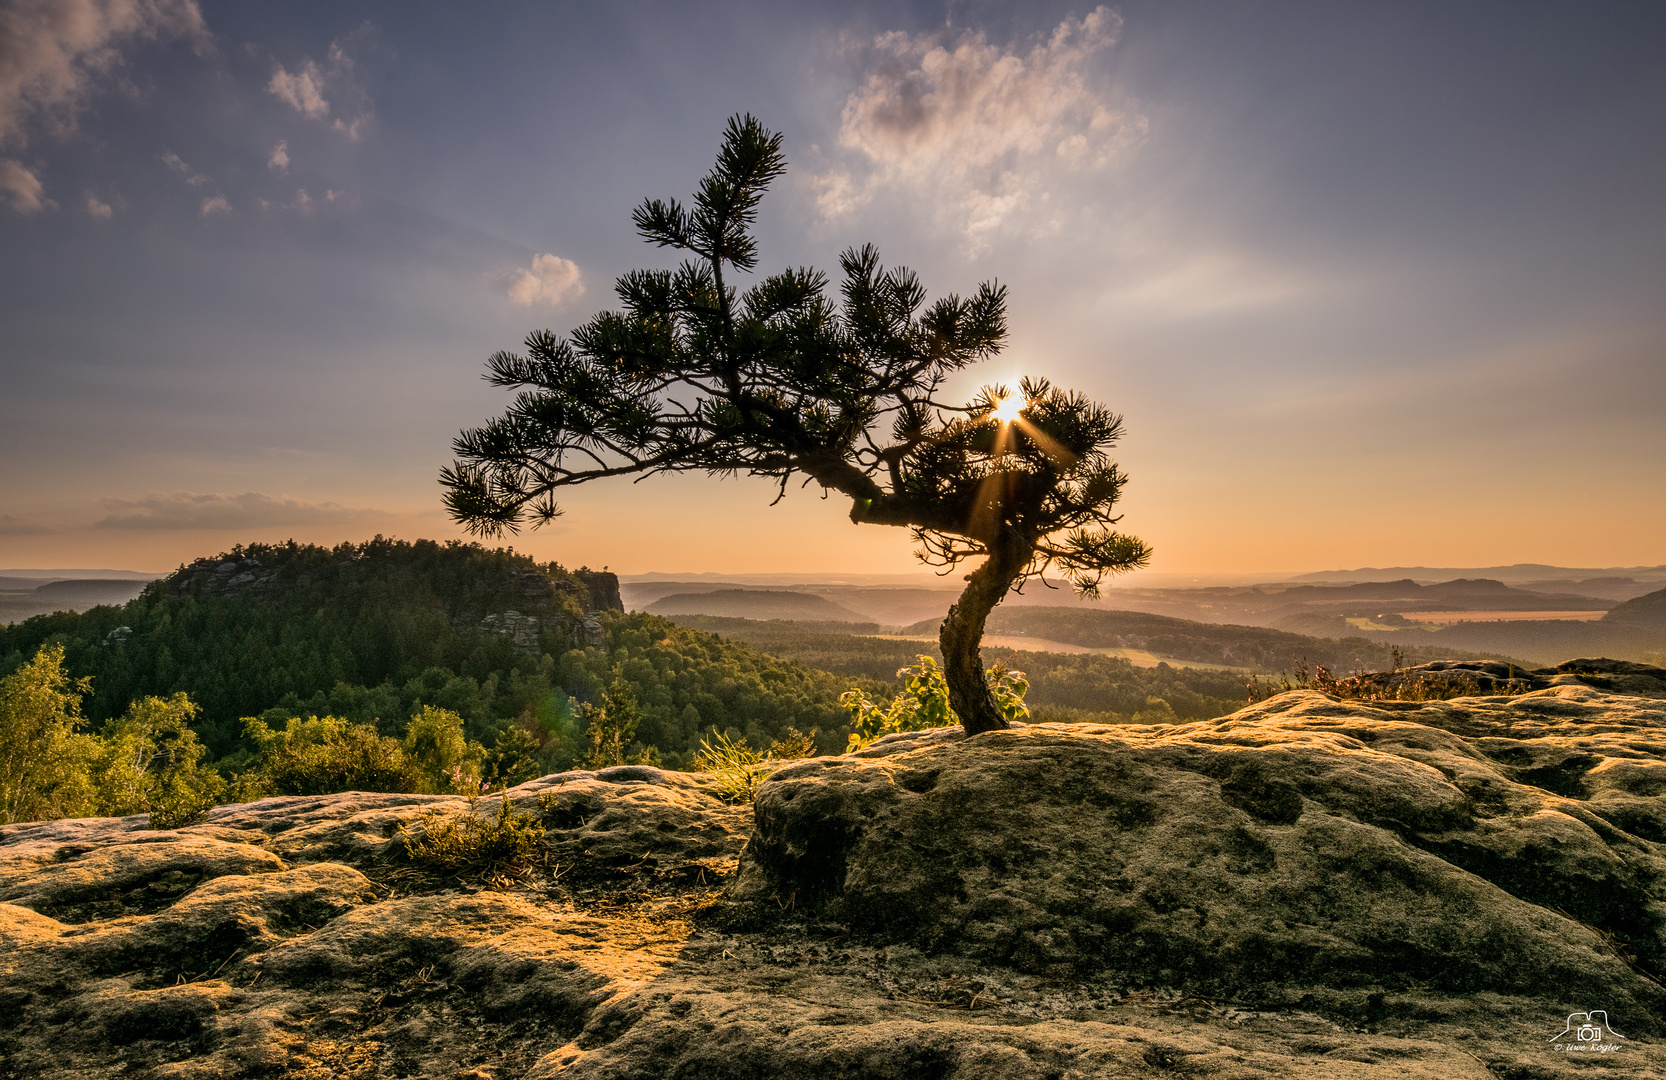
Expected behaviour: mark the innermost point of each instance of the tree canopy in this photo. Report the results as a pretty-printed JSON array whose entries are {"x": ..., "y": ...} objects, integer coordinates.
[{"x": 781, "y": 381}]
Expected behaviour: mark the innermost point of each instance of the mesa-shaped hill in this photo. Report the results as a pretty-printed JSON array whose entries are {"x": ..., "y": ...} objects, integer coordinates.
[
  {"x": 240, "y": 630},
  {"x": 1308, "y": 888},
  {"x": 761, "y": 604}
]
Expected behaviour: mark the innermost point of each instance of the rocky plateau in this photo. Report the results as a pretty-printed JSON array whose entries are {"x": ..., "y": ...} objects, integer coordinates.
[{"x": 1307, "y": 888}]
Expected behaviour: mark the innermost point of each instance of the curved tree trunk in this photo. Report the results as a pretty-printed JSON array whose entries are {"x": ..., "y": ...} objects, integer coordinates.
[{"x": 969, "y": 695}]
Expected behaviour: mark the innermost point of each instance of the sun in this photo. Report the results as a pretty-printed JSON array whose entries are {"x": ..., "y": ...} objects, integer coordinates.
[{"x": 1008, "y": 408}]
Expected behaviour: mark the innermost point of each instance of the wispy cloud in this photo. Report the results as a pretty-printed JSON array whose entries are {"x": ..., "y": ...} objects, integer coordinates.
[
  {"x": 250, "y": 510},
  {"x": 22, "y": 188},
  {"x": 52, "y": 53},
  {"x": 1190, "y": 282},
  {"x": 551, "y": 280},
  {"x": 279, "y": 161},
  {"x": 305, "y": 204},
  {"x": 985, "y": 133},
  {"x": 98, "y": 208},
  {"x": 192, "y": 176},
  {"x": 303, "y": 90},
  {"x": 215, "y": 204},
  {"x": 11, "y": 525}
]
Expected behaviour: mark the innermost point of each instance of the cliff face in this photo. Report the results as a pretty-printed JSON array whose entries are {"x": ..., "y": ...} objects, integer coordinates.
[
  {"x": 601, "y": 590},
  {"x": 1307, "y": 888}
]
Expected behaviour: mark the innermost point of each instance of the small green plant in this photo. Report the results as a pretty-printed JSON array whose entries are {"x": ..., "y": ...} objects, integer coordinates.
[
  {"x": 924, "y": 702},
  {"x": 792, "y": 745},
  {"x": 736, "y": 767},
  {"x": 499, "y": 849}
]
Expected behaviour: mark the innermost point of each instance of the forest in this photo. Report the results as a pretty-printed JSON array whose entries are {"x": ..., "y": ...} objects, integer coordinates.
[
  {"x": 393, "y": 665},
  {"x": 371, "y": 633}
]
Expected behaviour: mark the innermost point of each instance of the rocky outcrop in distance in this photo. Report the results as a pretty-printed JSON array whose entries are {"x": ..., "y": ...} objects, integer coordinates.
[{"x": 1306, "y": 888}]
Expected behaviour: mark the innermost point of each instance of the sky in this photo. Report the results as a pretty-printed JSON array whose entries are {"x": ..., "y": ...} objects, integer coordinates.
[{"x": 1371, "y": 284}]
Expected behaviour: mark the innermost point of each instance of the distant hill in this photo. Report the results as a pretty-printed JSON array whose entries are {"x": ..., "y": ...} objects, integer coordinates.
[
  {"x": 1634, "y": 631},
  {"x": 1647, "y": 611},
  {"x": 1462, "y": 594},
  {"x": 888, "y": 605},
  {"x": 762, "y": 604},
  {"x": 1515, "y": 574},
  {"x": 23, "y": 598},
  {"x": 1253, "y": 647}
]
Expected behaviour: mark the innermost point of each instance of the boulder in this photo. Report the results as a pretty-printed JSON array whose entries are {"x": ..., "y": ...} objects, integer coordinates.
[{"x": 1499, "y": 845}]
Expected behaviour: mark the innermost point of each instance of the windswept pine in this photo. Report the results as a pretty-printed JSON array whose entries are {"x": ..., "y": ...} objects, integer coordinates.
[{"x": 780, "y": 381}]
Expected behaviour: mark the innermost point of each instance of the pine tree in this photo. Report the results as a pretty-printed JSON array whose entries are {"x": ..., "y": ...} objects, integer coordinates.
[{"x": 780, "y": 381}]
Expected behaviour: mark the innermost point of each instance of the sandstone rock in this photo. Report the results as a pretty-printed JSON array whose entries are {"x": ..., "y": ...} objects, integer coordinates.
[
  {"x": 1496, "y": 845},
  {"x": 283, "y": 936},
  {"x": 1308, "y": 888}
]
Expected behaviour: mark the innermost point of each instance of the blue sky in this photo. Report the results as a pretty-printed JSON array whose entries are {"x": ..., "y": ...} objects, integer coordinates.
[{"x": 1373, "y": 284}]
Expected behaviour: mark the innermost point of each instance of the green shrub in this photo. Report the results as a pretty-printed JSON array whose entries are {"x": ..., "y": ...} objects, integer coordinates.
[
  {"x": 792, "y": 744},
  {"x": 44, "y": 763},
  {"x": 147, "y": 760},
  {"x": 500, "y": 849},
  {"x": 512, "y": 760},
  {"x": 439, "y": 756},
  {"x": 150, "y": 760},
  {"x": 924, "y": 702},
  {"x": 324, "y": 755}
]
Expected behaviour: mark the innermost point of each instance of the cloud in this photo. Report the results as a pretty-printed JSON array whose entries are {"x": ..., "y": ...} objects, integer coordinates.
[
  {"x": 986, "y": 133},
  {"x": 1195, "y": 283},
  {"x": 279, "y": 160},
  {"x": 53, "y": 51},
  {"x": 215, "y": 204},
  {"x": 303, "y": 90},
  {"x": 250, "y": 510},
  {"x": 16, "y": 526},
  {"x": 22, "y": 188},
  {"x": 97, "y": 208},
  {"x": 304, "y": 203},
  {"x": 192, "y": 177},
  {"x": 550, "y": 281}
]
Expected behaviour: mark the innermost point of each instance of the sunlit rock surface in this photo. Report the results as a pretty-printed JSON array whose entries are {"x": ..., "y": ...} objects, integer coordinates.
[{"x": 1307, "y": 888}]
